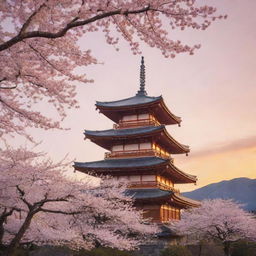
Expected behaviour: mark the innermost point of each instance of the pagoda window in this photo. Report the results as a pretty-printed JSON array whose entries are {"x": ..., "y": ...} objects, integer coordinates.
[
  {"x": 143, "y": 116},
  {"x": 129, "y": 147},
  {"x": 145, "y": 148},
  {"x": 123, "y": 178},
  {"x": 129, "y": 118},
  {"x": 145, "y": 145},
  {"x": 118, "y": 148},
  {"x": 135, "y": 178},
  {"x": 135, "y": 120},
  {"x": 148, "y": 178}
]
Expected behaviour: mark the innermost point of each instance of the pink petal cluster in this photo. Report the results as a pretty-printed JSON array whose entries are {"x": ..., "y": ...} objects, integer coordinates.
[
  {"x": 39, "y": 205},
  {"x": 217, "y": 219},
  {"x": 39, "y": 51}
]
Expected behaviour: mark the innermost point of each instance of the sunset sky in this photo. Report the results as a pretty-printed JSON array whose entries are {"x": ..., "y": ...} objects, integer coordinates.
[{"x": 214, "y": 91}]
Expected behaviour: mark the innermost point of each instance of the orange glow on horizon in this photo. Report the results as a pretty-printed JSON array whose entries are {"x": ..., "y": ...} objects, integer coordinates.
[{"x": 220, "y": 166}]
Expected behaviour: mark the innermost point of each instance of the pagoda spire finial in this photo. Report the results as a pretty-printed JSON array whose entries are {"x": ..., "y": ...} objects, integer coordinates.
[{"x": 142, "y": 90}]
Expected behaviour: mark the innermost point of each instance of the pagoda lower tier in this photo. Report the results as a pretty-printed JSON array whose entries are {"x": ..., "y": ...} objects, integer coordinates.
[
  {"x": 151, "y": 182},
  {"x": 160, "y": 205}
]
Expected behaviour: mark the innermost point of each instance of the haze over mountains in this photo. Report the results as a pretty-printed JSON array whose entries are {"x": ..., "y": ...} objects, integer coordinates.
[{"x": 241, "y": 190}]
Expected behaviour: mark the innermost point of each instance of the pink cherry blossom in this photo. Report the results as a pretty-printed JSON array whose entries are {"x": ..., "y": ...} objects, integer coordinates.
[
  {"x": 39, "y": 53},
  {"x": 39, "y": 205},
  {"x": 217, "y": 220}
]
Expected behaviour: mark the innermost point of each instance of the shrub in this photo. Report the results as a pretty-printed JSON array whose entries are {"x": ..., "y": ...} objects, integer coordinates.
[
  {"x": 244, "y": 248},
  {"x": 176, "y": 250},
  {"x": 103, "y": 251}
]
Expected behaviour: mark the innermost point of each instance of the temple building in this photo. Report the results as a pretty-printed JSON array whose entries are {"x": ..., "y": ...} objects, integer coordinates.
[{"x": 140, "y": 150}]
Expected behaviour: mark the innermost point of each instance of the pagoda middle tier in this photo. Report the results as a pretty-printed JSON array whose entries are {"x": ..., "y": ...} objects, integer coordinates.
[
  {"x": 139, "y": 140},
  {"x": 140, "y": 152}
]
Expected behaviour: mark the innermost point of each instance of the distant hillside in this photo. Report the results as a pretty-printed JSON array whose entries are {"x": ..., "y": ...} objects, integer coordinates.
[{"x": 242, "y": 190}]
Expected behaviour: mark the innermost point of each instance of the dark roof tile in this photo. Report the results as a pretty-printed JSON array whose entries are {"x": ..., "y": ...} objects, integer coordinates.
[
  {"x": 148, "y": 193},
  {"x": 121, "y": 163},
  {"x": 132, "y": 101},
  {"x": 123, "y": 132}
]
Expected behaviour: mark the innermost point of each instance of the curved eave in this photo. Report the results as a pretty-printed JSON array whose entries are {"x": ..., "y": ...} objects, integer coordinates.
[
  {"x": 170, "y": 142},
  {"x": 178, "y": 176},
  {"x": 149, "y": 194},
  {"x": 162, "y": 196},
  {"x": 107, "y": 138},
  {"x": 134, "y": 101},
  {"x": 170, "y": 117},
  {"x": 115, "y": 109},
  {"x": 116, "y": 165},
  {"x": 184, "y": 202}
]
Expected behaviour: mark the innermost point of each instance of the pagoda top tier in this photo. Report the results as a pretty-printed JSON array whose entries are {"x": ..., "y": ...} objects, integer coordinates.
[{"x": 140, "y": 103}]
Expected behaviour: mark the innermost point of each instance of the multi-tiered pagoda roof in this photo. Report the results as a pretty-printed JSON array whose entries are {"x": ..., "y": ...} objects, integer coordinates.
[
  {"x": 140, "y": 151},
  {"x": 114, "y": 109}
]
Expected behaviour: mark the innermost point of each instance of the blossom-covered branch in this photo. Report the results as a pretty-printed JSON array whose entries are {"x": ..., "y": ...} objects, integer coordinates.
[
  {"x": 40, "y": 54},
  {"x": 39, "y": 205}
]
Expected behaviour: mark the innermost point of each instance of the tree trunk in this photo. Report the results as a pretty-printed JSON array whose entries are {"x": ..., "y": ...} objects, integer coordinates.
[
  {"x": 200, "y": 249},
  {"x": 1, "y": 230},
  {"x": 3, "y": 218},
  {"x": 16, "y": 240},
  {"x": 227, "y": 248}
]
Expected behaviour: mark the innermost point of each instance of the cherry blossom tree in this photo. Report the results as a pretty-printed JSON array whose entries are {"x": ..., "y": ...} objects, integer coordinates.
[
  {"x": 39, "y": 205},
  {"x": 217, "y": 220},
  {"x": 39, "y": 53}
]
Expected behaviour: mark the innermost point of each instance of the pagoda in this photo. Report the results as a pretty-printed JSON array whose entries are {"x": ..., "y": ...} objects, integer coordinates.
[{"x": 140, "y": 151}]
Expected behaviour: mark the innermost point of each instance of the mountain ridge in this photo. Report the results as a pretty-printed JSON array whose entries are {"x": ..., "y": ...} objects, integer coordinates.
[{"x": 241, "y": 190}]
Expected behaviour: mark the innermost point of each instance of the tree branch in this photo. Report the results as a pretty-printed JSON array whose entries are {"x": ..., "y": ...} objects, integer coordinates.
[
  {"x": 74, "y": 23},
  {"x": 11, "y": 87},
  {"x": 60, "y": 212},
  {"x": 46, "y": 60},
  {"x": 27, "y": 22},
  {"x": 22, "y": 193}
]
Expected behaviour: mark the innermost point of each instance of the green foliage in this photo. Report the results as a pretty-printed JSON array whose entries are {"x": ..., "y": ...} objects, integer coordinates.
[
  {"x": 103, "y": 251},
  {"x": 176, "y": 250},
  {"x": 244, "y": 248}
]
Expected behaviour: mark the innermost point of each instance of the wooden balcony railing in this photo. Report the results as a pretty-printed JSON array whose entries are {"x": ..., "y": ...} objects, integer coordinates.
[
  {"x": 136, "y": 153},
  {"x": 136, "y": 123},
  {"x": 149, "y": 184}
]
